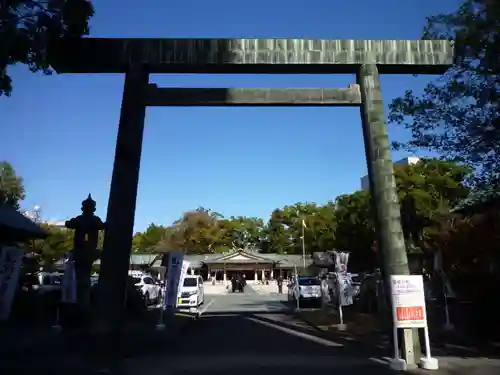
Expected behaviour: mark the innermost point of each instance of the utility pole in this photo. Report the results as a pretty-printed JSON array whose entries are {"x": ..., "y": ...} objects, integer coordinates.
[{"x": 384, "y": 194}]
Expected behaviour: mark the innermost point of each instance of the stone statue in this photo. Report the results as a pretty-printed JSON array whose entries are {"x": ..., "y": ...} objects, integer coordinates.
[{"x": 85, "y": 252}]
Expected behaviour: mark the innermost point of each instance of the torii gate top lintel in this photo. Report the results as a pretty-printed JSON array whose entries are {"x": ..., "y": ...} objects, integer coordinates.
[{"x": 250, "y": 56}]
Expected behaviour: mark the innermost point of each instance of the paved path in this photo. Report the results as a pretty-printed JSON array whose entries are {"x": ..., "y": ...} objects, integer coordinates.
[
  {"x": 258, "y": 343},
  {"x": 249, "y": 333},
  {"x": 253, "y": 333},
  {"x": 247, "y": 302}
]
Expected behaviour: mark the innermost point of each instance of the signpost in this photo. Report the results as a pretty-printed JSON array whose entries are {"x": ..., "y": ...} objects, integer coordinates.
[
  {"x": 172, "y": 281},
  {"x": 408, "y": 311}
]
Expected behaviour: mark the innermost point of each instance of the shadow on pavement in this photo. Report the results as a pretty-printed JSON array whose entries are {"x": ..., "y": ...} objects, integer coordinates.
[
  {"x": 443, "y": 343},
  {"x": 250, "y": 342}
]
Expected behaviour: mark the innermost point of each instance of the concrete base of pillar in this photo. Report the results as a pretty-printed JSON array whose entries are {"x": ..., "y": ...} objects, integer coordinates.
[
  {"x": 342, "y": 327},
  {"x": 397, "y": 364},
  {"x": 429, "y": 363}
]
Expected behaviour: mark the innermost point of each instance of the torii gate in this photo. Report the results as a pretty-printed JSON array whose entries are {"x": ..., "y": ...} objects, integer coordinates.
[{"x": 137, "y": 58}]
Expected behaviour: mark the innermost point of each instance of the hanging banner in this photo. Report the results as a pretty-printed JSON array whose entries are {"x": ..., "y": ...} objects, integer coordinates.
[
  {"x": 346, "y": 290},
  {"x": 341, "y": 260},
  {"x": 343, "y": 279},
  {"x": 68, "y": 291},
  {"x": 185, "y": 266},
  {"x": 173, "y": 275},
  {"x": 11, "y": 259},
  {"x": 408, "y": 301}
]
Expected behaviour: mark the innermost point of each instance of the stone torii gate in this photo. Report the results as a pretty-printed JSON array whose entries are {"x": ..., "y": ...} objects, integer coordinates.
[{"x": 137, "y": 58}]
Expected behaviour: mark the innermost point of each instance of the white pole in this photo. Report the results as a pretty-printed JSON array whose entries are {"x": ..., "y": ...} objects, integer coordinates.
[
  {"x": 303, "y": 246},
  {"x": 341, "y": 326},
  {"x": 161, "y": 325},
  {"x": 297, "y": 288},
  {"x": 396, "y": 342}
]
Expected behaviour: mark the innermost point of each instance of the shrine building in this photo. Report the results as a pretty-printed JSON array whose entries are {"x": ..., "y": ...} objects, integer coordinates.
[{"x": 254, "y": 265}]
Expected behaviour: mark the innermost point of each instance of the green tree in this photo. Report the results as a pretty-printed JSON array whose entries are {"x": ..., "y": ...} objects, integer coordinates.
[
  {"x": 147, "y": 241},
  {"x": 435, "y": 187},
  {"x": 458, "y": 116},
  {"x": 284, "y": 229},
  {"x": 27, "y": 27},
  {"x": 58, "y": 243},
  {"x": 356, "y": 230},
  {"x": 11, "y": 186}
]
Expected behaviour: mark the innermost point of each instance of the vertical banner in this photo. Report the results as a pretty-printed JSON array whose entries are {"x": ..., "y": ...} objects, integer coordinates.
[
  {"x": 343, "y": 279},
  {"x": 185, "y": 266},
  {"x": 68, "y": 291},
  {"x": 174, "y": 270},
  {"x": 11, "y": 259}
]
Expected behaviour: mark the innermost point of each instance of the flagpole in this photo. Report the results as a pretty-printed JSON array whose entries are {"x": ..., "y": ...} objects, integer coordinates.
[
  {"x": 303, "y": 249},
  {"x": 303, "y": 245}
]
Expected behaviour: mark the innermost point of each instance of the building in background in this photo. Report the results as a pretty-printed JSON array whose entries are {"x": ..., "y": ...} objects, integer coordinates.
[{"x": 411, "y": 160}]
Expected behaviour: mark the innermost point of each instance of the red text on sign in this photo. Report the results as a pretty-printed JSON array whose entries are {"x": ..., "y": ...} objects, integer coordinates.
[{"x": 410, "y": 313}]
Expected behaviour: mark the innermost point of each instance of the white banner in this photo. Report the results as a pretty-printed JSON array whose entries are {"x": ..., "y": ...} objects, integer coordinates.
[
  {"x": 184, "y": 269},
  {"x": 173, "y": 275},
  {"x": 11, "y": 259},
  {"x": 343, "y": 279},
  {"x": 341, "y": 260},
  {"x": 345, "y": 289},
  {"x": 68, "y": 291}
]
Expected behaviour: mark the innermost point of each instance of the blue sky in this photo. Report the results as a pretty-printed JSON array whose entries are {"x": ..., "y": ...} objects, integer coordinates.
[{"x": 59, "y": 131}]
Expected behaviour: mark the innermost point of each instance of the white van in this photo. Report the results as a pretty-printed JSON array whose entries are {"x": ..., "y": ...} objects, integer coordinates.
[{"x": 192, "y": 293}]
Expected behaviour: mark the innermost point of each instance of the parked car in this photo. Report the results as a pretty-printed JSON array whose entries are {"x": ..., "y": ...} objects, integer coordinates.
[
  {"x": 48, "y": 282},
  {"x": 192, "y": 293},
  {"x": 151, "y": 290},
  {"x": 305, "y": 289}
]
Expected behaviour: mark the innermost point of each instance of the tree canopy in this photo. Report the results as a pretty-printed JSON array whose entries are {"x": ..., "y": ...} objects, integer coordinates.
[
  {"x": 11, "y": 186},
  {"x": 345, "y": 223},
  {"x": 458, "y": 115},
  {"x": 27, "y": 28}
]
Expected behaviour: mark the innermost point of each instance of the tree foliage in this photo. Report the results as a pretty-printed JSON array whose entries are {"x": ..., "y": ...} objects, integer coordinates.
[
  {"x": 11, "y": 186},
  {"x": 27, "y": 27},
  {"x": 347, "y": 223},
  {"x": 458, "y": 115},
  {"x": 146, "y": 241}
]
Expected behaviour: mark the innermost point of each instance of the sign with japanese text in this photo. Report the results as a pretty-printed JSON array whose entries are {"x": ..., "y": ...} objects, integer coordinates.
[
  {"x": 343, "y": 278},
  {"x": 408, "y": 301},
  {"x": 11, "y": 259}
]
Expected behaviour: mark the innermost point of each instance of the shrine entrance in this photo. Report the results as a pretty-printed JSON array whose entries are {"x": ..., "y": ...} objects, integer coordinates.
[{"x": 138, "y": 58}]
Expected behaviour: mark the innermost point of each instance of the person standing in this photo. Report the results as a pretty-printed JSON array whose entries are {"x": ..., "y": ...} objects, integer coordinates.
[{"x": 280, "y": 285}]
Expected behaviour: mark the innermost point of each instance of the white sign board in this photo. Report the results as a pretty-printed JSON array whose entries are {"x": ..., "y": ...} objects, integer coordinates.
[
  {"x": 408, "y": 301},
  {"x": 11, "y": 259},
  {"x": 174, "y": 271}
]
